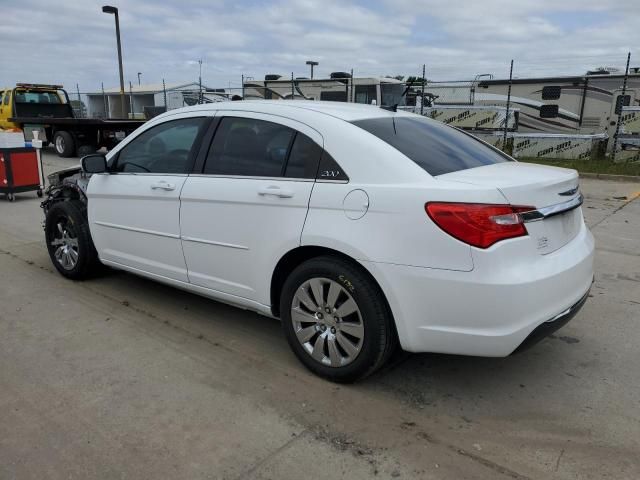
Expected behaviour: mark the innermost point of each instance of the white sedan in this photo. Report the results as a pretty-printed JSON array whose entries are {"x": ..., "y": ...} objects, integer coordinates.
[{"x": 359, "y": 227}]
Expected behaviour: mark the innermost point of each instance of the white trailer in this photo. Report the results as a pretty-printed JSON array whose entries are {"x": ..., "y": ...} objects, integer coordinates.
[
  {"x": 588, "y": 104},
  {"x": 340, "y": 87}
]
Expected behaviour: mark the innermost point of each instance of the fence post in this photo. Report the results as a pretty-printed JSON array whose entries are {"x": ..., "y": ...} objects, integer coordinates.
[
  {"x": 624, "y": 91},
  {"x": 506, "y": 120},
  {"x": 79, "y": 101},
  {"x": 131, "y": 98},
  {"x": 104, "y": 101},
  {"x": 242, "y": 86},
  {"x": 350, "y": 91},
  {"x": 164, "y": 93},
  {"x": 424, "y": 72},
  {"x": 292, "y": 91}
]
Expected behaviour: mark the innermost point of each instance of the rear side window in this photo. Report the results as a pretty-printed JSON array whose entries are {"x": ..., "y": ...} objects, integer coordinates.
[
  {"x": 304, "y": 158},
  {"x": 434, "y": 146},
  {"x": 249, "y": 147}
]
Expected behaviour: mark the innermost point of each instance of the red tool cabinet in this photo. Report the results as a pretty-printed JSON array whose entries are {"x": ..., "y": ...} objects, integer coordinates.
[{"x": 19, "y": 172}]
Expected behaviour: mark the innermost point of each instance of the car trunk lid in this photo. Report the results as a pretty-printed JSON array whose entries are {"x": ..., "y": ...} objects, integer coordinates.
[{"x": 538, "y": 186}]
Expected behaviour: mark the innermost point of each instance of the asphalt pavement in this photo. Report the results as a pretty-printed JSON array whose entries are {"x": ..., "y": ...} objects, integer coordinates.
[{"x": 121, "y": 377}]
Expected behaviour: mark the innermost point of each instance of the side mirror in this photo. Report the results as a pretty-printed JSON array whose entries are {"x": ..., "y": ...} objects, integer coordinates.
[{"x": 96, "y": 163}]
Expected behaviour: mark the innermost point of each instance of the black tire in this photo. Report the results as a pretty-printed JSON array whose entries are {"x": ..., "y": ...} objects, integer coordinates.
[
  {"x": 71, "y": 215},
  {"x": 379, "y": 340},
  {"x": 64, "y": 144}
]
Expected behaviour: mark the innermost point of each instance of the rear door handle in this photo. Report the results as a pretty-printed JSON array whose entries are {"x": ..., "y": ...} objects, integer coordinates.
[
  {"x": 276, "y": 191},
  {"x": 163, "y": 186}
]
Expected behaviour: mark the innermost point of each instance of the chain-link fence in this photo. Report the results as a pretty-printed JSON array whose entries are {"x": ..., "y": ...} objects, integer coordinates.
[{"x": 570, "y": 117}]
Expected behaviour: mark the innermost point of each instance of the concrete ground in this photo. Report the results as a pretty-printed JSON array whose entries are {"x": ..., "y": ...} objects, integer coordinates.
[{"x": 120, "y": 377}]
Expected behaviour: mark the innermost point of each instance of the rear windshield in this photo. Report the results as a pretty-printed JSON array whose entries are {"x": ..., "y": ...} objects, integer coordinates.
[
  {"x": 436, "y": 147},
  {"x": 23, "y": 96}
]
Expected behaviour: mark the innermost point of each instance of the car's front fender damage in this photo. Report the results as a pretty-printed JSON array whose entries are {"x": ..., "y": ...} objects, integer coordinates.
[{"x": 68, "y": 184}]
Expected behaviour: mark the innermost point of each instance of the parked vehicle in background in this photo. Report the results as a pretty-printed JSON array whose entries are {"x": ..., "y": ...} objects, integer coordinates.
[
  {"x": 340, "y": 87},
  {"x": 359, "y": 227},
  {"x": 47, "y": 110},
  {"x": 587, "y": 104}
]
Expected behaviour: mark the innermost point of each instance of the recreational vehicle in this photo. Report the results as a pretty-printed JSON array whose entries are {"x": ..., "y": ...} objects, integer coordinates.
[
  {"x": 588, "y": 104},
  {"x": 340, "y": 87}
]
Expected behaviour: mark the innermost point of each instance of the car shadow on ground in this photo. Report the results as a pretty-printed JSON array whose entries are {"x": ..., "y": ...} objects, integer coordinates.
[{"x": 461, "y": 385}]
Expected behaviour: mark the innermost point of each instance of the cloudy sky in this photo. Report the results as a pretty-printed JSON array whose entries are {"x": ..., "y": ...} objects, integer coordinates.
[{"x": 72, "y": 41}]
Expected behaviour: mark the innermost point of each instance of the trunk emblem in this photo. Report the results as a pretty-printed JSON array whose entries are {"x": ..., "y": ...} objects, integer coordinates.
[{"x": 568, "y": 193}]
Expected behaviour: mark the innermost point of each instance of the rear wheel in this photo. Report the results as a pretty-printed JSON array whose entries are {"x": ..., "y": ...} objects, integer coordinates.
[
  {"x": 64, "y": 144},
  {"x": 69, "y": 241},
  {"x": 336, "y": 320}
]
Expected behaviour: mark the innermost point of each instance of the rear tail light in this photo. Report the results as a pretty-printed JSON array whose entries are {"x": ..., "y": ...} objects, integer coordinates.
[{"x": 479, "y": 225}]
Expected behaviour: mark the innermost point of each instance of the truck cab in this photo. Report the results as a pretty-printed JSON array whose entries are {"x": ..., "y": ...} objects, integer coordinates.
[{"x": 34, "y": 101}]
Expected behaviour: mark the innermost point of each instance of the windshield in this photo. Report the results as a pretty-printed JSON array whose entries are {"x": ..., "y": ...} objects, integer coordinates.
[
  {"x": 392, "y": 93},
  {"x": 35, "y": 96},
  {"x": 434, "y": 146}
]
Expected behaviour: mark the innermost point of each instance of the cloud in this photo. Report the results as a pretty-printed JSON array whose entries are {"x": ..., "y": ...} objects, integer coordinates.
[{"x": 73, "y": 42}]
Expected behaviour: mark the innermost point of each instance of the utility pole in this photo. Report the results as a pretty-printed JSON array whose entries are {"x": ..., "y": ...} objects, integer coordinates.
[{"x": 139, "y": 73}]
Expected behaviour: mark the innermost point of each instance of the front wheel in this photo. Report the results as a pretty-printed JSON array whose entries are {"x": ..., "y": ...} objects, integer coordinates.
[
  {"x": 336, "y": 320},
  {"x": 69, "y": 241}
]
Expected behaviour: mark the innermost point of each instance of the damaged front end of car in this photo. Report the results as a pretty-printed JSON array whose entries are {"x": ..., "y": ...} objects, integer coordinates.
[{"x": 68, "y": 184}]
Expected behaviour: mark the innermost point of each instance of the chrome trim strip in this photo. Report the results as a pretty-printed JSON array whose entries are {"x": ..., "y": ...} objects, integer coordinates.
[
  {"x": 137, "y": 230},
  {"x": 247, "y": 177},
  {"x": 211, "y": 242},
  {"x": 550, "y": 211}
]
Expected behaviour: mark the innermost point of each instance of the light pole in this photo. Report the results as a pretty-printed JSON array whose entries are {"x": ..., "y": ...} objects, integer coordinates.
[
  {"x": 113, "y": 10},
  {"x": 312, "y": 64},
  {"x": 139, "y": 73}
]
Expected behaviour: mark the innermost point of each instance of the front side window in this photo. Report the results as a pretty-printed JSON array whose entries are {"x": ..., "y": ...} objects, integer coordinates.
[
  {"x": 437, "y": 148},
  {"x": 249, "y": 147},
  {"x": 165, "y": 148}
]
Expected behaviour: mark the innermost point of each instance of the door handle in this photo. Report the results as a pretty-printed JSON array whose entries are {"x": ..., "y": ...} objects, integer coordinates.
[
  {"x": 163, "y": 186},
  {"x": 276, "y": 191}
]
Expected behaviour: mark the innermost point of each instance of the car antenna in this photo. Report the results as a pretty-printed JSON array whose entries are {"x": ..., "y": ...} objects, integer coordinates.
[{"x": 391, "y": 108}]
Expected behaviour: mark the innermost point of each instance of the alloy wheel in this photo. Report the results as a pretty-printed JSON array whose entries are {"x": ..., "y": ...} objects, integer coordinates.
[
  {"x": 327, "y": 322},
  {"x": 65, "y": 243}
]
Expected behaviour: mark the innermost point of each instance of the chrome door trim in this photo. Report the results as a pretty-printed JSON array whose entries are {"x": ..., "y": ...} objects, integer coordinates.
[
  {"x": 211, "y": 242},
  {"x": 138, "y": 230},
  {"x": 550, "y": 211}
]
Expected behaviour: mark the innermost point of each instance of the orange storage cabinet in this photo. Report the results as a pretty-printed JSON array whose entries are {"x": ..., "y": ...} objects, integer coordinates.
[{"x": 19, "y": 172}]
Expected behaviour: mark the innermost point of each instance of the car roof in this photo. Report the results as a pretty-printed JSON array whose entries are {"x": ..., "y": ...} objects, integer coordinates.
[{"x": 296, "y": 109}]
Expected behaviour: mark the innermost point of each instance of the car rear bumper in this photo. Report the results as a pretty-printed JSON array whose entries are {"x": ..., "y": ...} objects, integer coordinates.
[
  {"x": 547, "y": 328},
  {"x": 493, "y": 309}
]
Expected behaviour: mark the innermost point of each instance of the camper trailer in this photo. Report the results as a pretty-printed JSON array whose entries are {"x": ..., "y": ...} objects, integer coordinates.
[
  {"x": 339, "y": 87},
  {"x": 588, "y": 104}
]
